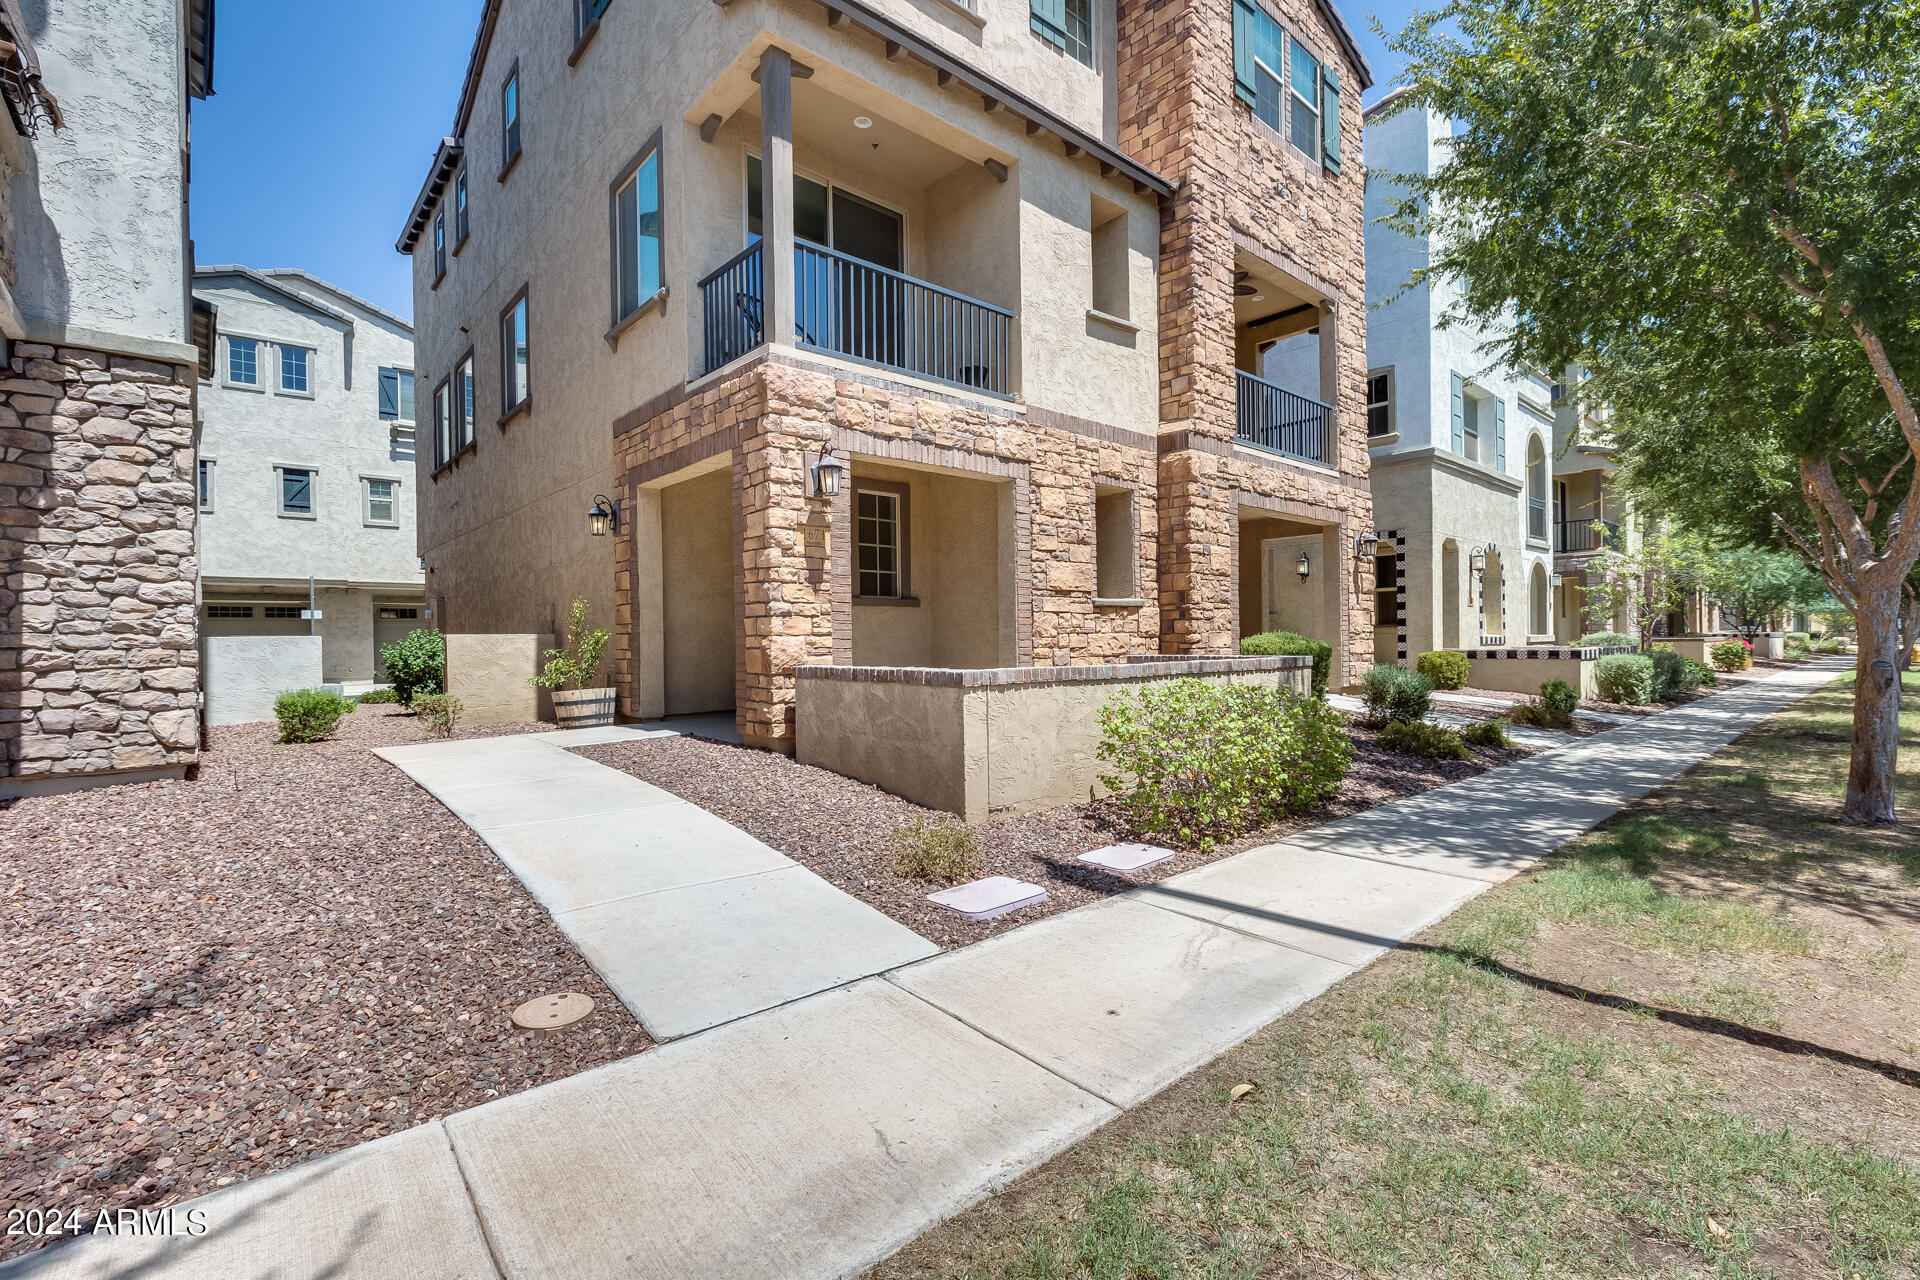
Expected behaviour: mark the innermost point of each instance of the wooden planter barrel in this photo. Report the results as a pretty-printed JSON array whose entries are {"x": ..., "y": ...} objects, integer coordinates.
[{"x": 582, "y": 708}]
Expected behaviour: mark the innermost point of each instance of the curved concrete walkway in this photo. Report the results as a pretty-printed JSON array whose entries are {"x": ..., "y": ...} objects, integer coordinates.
[{"x": 814, "y": 1139}]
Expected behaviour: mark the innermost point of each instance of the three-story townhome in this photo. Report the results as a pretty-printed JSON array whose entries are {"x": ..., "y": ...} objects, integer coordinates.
[{"x": 888, "y": 332}]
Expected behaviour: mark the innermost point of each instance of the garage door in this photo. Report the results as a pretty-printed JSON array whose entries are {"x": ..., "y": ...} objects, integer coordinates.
[{"x": 391, "y": 623}]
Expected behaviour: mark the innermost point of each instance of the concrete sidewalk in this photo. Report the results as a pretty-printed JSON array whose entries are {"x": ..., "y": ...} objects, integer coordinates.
[{"x": 814, "y": 1139}]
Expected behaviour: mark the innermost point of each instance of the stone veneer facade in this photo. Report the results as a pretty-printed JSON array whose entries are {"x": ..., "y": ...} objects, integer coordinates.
[
  {"x": 1179, "y": 116},
  {"x": 98, "y": 661}
]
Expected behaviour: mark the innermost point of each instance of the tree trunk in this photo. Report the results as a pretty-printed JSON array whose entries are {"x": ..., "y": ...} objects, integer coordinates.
[{"x": 1876, "y": 708}]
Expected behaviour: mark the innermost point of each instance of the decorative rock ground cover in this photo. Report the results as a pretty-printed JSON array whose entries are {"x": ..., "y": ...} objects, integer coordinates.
[
  {"x": 301, "y": 950},
  {"x": 840, "y": 828}
]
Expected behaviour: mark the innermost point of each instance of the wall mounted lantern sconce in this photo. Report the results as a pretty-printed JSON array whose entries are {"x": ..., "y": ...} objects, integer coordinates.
[
  {"x": 828, "y": 472},
  {"x": 1366, "y": 546},
  {"x": 1303, "y": 566},
  {"x": 604, "y": 514}
]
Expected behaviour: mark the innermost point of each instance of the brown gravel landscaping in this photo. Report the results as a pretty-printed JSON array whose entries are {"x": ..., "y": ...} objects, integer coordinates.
[
  {"x": 296, "y": 952},
  {"x": 841, "y": 829}
]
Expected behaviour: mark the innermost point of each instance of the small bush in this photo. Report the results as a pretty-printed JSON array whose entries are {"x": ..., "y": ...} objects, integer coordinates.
[
  {"x": 1827, "y": 644},
  {"x": 441, "y": 711},
  {"x": 1420, "y": 738},
  {"x": 1270, "y": 644},
  {"x": 575, "y": 664},
  {"x": 1536, "y": 715},
  {"x": 373, "y": 696},
  {"x": 1395, "y": 693},
  {"x": 1626, "y": 678},
  {"x": 1798, "y": 637},
  {"x": 1791, "y": 648},
  {"x": 939, "y": 852},
  {"x": 1201, "y": 763},
  {"x": 1731, "y": 655},
  {"x": 1672, "y": 678},
  {"x": 1561, "y": 699},
  {"x": 1703, "y": 674},
  {"x": 1607, "y": 640},
  {"x": 308, "y": 715},
  {"x": 416, "y": 665},
  {"x": 1446, "y": 668},
  {"x": 1486, "y": 733}
]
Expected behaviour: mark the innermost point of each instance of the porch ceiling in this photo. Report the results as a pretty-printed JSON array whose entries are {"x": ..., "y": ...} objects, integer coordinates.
[
  {"x": 824, "y": 120},
  {"x": 1274, "y": 294}
]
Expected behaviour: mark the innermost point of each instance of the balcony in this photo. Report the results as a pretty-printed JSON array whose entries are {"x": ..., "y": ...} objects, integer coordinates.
[
  {"x": 1284, "y": 422},
  {"x": 856, "y": 310},
  {"x": 1576, "y": 537}
]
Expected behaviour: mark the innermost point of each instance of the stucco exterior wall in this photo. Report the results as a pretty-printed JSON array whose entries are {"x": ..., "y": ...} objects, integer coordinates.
[
  {"x": 492, "y": 675},
  {"x": 244, "y": 674}
]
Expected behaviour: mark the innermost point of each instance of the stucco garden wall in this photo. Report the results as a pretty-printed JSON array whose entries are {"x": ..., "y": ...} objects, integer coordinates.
[
  {"x": 1525, "y": 670},
  {"x": 988, "y": 743},
  {"x": 244, "y": 674},
  {"x": 492, "y": 675}
]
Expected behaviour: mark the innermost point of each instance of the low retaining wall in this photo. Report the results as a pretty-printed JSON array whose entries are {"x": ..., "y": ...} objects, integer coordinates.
[
  {"x": 242, "y": 675},
  {"x": 492, "y": 675},
  {"x": 1525, "y": 670},
  {"x": 988, "y": 743}
]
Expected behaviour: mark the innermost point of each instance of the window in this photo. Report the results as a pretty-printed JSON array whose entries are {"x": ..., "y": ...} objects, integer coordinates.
[
  {"x": 1536, "y": 490},
  {"x": 1386, "y": 590},
  {"x": 382, "y": 501},
  {"x": 836, "y": 218},
  {"x": 1067, "y": 25},
  {"x": 636, "y": 235},
  {"x": 439, "y": 245},
  {"x": 398, "y": 615},
  {"x": 295, "y": 364},
  {"x": 243, "y": 362},
  {"x": 1115, "y": 543},
  {"x": 1479, "y": 425},
  {"x": 296, "y": 492},
  {"x": 462, "y": 394},
  {"x": 510, "y": 120},
  {"x": 1110, "y": 284},
  {"x": 460, "y": 223},
  {"x": 1304, "y": 102},
  {"x": 396, "y": 395},
  {"x": 585, "y": 14},
  {"x": 880, "y": 541},
  {"x": 1272, "y": 71},
  {"x": 1380, "y": 403},
  {"x": 1260, "y": 52},
  {"x": 442, "y": 427},
  {"x": 230, "y": 611},
  {"x": 513, "y": 356},
  {"x": 281, "y": 612},
  {"x": 206, "y": 484}
]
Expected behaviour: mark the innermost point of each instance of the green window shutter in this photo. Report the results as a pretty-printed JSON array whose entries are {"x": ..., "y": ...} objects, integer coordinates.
[
  {"x": 1330, "y": 118},
  {"x": 1243, "y": 26},
  {"x": 1459, "y": 414},
  {"x": 389, "y": 393},
  {"x": 1500, "y": 435},
  {"x": 1050, "y": 21},
  {"x": 599, "y": 7}
]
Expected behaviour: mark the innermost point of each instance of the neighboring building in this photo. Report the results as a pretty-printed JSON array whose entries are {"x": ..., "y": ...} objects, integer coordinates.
[
  {"x": 1588, "y": 515},
  {"x": 1465, "y": 450},
  {"x": 306, "y": 468},
  {"x": 98, "y": 665},
  {"x": 1009, "y": 263}
]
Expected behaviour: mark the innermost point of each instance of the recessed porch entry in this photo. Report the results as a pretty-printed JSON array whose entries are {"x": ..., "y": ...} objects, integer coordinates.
[
  {"x": 1289, "y": 579},
  {"x": 870, "y": 202},
  {"x": 1284, "y": 359}
]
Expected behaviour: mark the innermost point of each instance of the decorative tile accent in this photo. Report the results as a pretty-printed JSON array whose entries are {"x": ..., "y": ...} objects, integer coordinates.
[{"x": 1549, "y": 653}]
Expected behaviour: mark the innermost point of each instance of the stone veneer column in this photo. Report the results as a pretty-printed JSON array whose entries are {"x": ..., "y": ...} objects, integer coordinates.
[{"x": 99, "y": 666}]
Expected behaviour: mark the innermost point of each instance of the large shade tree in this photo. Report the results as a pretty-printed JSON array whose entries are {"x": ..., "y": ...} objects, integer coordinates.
[{"x": 1714, "y": 207}]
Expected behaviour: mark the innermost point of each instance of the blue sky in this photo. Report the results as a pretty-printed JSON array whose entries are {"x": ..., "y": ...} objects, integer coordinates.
[{"x": 326, "y": 116}]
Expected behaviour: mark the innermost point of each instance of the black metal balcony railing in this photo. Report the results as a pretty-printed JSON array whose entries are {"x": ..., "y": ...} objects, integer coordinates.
[
  {"x": 1574, "y": 536},
  {"x": 854, "y": 309},
  {"x": 1284, "y": 421}
]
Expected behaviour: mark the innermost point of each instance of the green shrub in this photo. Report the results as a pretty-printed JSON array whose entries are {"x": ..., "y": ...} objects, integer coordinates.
[
  {"x": 1395, "y": 693},
  {"x": 373, "y": 696},
  {"x": 576, "y": 662},
  {"x": 1798, "y": 637},
  {"x": 1446, "y": 668},
  {"x": 1791, "y": 648},
  {"x": 1731, "y": 655},
  {"x": 939, "y": 851},
  {"x": 441, "y": 711},
  {"x": 1607, "y": 640},
  {"x": 1702, "y": 674},
  {"x": 1561, "y": 699},
  {"x": 1270, "y": 644},
  {"x": 308, "y": 715},
  {"x": 1486, "y": 733},
  {"x": 416, "y": 665},
  {"x": 1672, "y": 678},
  {"x": 1536, "y": 715},
  {"x": 1420, "y": 738},
  {"x": 1625, "y": 678},
  {"x": 1827, "y": 644},
  {"x": 1201, "y": 763}
]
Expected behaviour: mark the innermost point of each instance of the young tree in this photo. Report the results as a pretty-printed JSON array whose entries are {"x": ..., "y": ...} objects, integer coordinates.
[
  {"x": 1709, "y": 204},
  {"x": 1755, "y": 584},
  {"x": 1656, "y": 578}
]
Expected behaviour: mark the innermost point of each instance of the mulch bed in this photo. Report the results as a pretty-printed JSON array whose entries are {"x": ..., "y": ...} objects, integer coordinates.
[
  {"x": 296, "y": 952},
  {"x": 840, "y": 828}
]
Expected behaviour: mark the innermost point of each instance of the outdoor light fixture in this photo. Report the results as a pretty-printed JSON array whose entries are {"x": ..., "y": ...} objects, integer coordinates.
[
  {"x": 1556, "y": 582},
  {"x": 828, "y": 471},
  {"x": 1366, "y": 546},
  {"x": 863, "y": 122},
  {"x": 602, "y": 515},
  {"x": 1303, "y": 566}
]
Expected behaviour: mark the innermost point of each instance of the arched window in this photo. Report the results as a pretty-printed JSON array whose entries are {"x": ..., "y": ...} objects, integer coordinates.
[
  {"x": 1541, "y": 598},
  {"x": 1536, "y": 490}
]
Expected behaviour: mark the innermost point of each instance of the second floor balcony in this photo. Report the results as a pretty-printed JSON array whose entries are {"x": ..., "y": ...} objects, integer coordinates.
[
  {"x": 1271, "y": 417},
  {"x": 1579, "y": 537}
]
